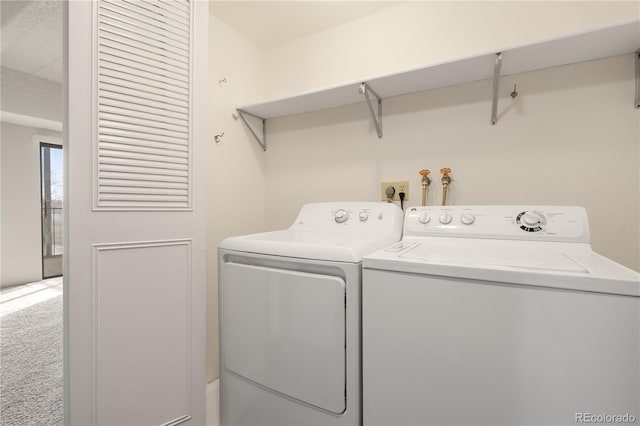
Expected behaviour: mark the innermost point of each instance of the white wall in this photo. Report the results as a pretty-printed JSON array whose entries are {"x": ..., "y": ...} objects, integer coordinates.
[
  {"x": 236, "y": 184},
  {"x": 580, "y": 118},
  {"x": 571, "y": 137},
  {"x": 28, "y": 95},
  {"x": 20, "y": 227},
  {"x": 419, "y": 33},
  {"x": 568, "y": 113}
]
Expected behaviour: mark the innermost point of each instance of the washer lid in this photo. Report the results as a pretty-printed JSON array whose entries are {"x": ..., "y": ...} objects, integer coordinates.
[
  {"x": 570, "y": 266},
  {"x": 535, "y": 260}
]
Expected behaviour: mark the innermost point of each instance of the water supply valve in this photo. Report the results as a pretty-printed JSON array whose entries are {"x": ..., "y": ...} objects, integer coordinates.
[
  {"x": 446, "y": 180},
  {"x": 426, "y": 181}
]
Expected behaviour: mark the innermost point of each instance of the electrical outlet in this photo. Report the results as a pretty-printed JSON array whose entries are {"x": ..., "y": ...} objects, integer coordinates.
[{"x": 400, "y": 186}]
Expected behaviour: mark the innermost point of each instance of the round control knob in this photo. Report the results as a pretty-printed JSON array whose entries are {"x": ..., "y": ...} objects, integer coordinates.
[
  {"x": 341, "y": 216},
  {"x": 363, "y": 216},
  {"x": 445, "y": 218},
  {"x": 467, "y": 218},
  {"x": 424, "y": 218},
  {"x": 531, "y": 219}
]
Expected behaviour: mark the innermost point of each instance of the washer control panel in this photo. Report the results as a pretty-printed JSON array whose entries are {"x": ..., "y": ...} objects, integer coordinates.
[{"x": 546, "y": 223}]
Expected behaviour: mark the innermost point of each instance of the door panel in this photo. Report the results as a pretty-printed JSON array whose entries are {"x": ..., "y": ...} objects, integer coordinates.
[
  {"x": 151, "y": 282},
  {"x": 286, "y": 330},
  {"x": 135, "y": 261}
]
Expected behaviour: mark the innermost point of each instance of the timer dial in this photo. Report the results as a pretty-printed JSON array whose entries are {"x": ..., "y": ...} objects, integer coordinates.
[{"x": 531, "y": 221}]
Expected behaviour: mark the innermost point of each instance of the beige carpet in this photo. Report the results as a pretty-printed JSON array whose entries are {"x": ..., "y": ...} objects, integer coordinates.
[{"x": 31, "y": 369}]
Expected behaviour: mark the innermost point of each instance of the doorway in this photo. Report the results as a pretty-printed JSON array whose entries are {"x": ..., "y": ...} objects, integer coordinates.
[{"x": 51, "y": 189}]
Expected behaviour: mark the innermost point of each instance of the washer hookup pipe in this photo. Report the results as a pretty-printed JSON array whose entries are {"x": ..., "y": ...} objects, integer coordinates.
[
  {"x": 446, "y": 180},
  {"x": 425, "y": 183}
]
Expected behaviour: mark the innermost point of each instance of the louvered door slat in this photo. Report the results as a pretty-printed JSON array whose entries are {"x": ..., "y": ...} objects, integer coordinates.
[
  {"x": 143, "y": 197},
  {"x": 108, "y": 31},
  {"x": 143, "y": 82},
  {"x": 141, "y": 98},
  {"x": 108, "y": 167},
  {"x": 160, "y": 113},
  {"x": 150, "y": 54},
  {"x": 176, "y": 6},
  {"x": 131, "y": 111},
  {"x": 147, "y": 91},
  {"x": 146, "y": 131},
  {"x": 141, "y": 15},
  {"x": 143, "y": 150},
  {"x": 180, "y": 149},
  {"x": 128, "y": 157},
  {"x": 106, "y": 189},
  {"x": 136, "y": 53},
  {"x": 135, "y": 117},
  {"x": 111, "y": 153},
  {"x": 140, "y": 70},
  {"x": 156, "y": 12},
  {"x": 146, "y": 164},
  {"x": 114, "y": 93},
  {"x": 140, "y": 26},
  {"x": 129, "y": 183},
  {"x": 105, "y": 174},
  {"x": 135, "y": 58},
  {"x": 122, "y": 43},
  {"x": 141, "y": 121},
  {"x": 152, "y": 138},
  {"x": 109, "y": 36},
  {"x": 143, "y": 105}
]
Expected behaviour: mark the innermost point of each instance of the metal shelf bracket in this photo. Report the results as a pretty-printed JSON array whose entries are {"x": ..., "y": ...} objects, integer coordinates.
[
  {"x": 377, "y": 119},
  {"x": 496, "y": 84},
  {"x": 263, "y": 142},
  {"x": 637, "y": 104}
]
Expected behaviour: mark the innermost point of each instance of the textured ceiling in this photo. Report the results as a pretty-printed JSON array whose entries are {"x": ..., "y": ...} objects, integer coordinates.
[
  {"x": 32, "y": 37},
  {"x": 270, "y": 23},
  {"x": 32, "y": 29}
]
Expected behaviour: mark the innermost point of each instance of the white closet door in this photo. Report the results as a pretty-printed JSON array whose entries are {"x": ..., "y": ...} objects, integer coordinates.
[{"x": 135, "y": 150}]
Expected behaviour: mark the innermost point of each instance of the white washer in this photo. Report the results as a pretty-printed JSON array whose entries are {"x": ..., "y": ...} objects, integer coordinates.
[
  {"x": 499, "y": 316},
  {"x": 290, "y": 316}
]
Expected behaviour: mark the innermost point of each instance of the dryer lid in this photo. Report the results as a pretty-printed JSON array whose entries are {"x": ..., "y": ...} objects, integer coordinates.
[
  {"x": 341, "y": 232},
  {"x": 310, "y": 245}
]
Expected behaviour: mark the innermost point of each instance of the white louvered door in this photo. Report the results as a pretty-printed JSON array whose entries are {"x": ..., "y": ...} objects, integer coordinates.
[
  {"x": 143, "y": 103},
  {"x": 136, "y": 198}
]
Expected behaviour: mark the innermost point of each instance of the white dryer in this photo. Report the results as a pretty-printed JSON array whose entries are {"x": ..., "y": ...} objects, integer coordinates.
[
  {"x": 499, "y": 316},
  {"x": 290, "y": 316}
]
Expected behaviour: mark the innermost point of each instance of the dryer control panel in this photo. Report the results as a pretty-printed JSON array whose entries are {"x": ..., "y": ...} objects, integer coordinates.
[
  {"x": 539, "y": 223},
  {"x": 349, "y": 217}
]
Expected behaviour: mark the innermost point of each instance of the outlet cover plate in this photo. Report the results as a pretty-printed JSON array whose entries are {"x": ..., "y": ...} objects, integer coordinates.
[{"x": 400, "y": 186}]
